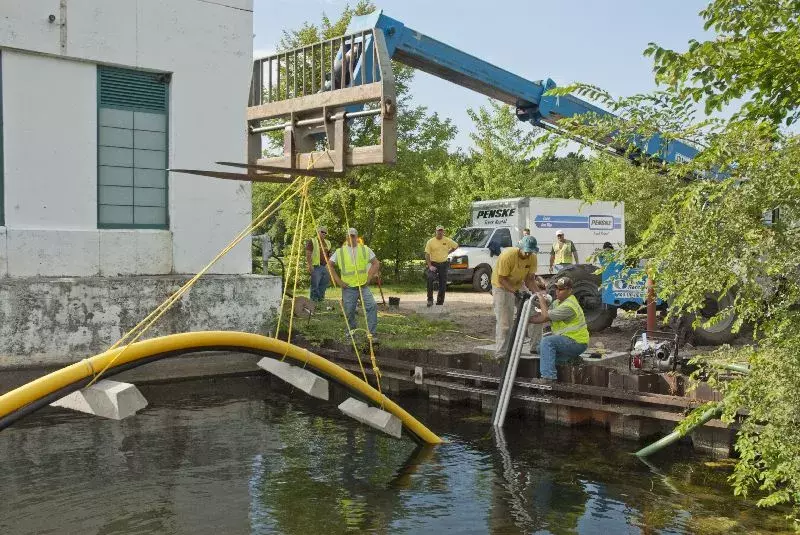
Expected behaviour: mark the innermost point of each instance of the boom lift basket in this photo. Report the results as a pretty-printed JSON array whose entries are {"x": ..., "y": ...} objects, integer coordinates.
[{"x": 311, "y": 92}]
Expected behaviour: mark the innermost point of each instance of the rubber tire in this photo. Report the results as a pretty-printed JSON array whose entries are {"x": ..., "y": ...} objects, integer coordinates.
[
  {"x": 586, "y": 288},
  {"x": 721, "y": 333},
  {"x": 482, "y": 279}
]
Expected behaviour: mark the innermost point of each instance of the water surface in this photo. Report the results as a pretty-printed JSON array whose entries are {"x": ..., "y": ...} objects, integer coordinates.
[{"x": 229, "y": 456}]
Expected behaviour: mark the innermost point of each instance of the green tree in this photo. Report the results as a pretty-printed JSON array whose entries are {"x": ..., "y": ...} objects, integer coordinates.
[
  {"x": 755, "y": 56},
  {"x": 706, "y": 233}
]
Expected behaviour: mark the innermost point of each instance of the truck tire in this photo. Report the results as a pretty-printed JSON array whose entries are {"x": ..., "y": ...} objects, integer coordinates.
[
  {"x": 482, "y": 279},
  {"x": 717, "y": 334},
  {"x": 586, "y": 289}
]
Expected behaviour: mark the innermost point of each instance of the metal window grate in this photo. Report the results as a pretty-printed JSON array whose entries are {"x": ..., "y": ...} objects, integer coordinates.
[
  {"x": 132, "y": 149},
  {"x": 123, "y": 88}
]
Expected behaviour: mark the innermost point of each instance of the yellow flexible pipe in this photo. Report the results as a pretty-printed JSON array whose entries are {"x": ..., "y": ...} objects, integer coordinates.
[{"x": 43, "y": 386}]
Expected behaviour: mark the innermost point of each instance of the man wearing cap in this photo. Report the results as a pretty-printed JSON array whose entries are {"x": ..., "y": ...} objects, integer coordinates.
[
  {"x": 436, "y": 251},
  {"x": 318, "y": 249},
  {"x": 562, "y": 253},
  {"x": 357, "y": 266},
  {"x": 570, "y": 336},
  {"x": 515, "y": 266}
]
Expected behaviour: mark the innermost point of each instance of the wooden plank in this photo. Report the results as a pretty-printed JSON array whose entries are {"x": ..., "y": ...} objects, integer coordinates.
[
  {"x": 331, "y": 99},
  {"x": 325, "y": 159}
]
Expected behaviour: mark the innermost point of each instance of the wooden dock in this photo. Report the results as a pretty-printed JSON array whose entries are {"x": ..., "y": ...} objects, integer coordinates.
[{"x": 631, "y": 405}]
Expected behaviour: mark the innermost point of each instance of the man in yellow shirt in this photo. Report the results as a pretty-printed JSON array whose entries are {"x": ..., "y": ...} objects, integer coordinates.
[
  {"x": 436, "y": 251},
  {"x": 516, "y": 266}
]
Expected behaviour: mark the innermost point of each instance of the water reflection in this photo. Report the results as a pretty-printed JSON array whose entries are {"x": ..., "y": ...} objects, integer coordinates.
[{"x": 229, "y": 456}]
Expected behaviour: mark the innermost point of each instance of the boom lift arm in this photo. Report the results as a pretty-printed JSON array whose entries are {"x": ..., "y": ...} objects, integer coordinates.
[{"x": 354, "y": 70}]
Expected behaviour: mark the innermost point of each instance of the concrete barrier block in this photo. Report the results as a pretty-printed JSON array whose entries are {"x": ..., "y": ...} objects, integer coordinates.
[
  {"x": 372, "y": 416},
  {"x": 300, "y": 378},
  {"x": 108, "y": 399}
]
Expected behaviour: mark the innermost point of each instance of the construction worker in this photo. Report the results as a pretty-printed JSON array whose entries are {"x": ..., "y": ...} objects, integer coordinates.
[
  {"x": 318, "y": 249},
  {"x": 515, "y": 266},
  {"x": 562, "y": 253},
  {"x": 436, "y": 251},
  {"x": 357, "y": 266},
  {"x": 570, "y": 336}
]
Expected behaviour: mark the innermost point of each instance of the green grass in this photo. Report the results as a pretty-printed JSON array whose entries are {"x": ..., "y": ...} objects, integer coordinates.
[{"x": 394, "y": 330}]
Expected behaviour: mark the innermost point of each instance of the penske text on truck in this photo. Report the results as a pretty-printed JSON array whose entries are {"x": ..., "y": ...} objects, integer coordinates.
[{"x": 502, "y": 221}]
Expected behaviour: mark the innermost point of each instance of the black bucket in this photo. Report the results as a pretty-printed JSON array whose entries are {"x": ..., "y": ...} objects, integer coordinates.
[{"x": 394, "y": 302}]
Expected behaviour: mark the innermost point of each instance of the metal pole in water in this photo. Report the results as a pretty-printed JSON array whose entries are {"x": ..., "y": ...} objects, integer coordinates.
[{"x": 517, "y": 334}]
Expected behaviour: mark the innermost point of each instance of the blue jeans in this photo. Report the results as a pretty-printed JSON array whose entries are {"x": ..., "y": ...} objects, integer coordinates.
[
  {"x": 557, "y": 349},
  {"x": 350, "y": 301},
  {"x": 320, "y": 280}
]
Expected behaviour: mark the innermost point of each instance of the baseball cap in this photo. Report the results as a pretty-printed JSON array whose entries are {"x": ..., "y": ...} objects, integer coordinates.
[
  {"x": 322, "y": 228},
  {"x": 528, "y": 245},
  {"x": 352, "y": 232},
  {"x": 563, "y": 282},
  {"x": 559, "y": 233},
  {"x": 439, "y": 227}
]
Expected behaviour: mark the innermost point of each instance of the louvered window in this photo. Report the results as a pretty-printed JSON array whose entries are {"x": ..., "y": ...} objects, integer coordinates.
[{"x": 132, "y": 149}]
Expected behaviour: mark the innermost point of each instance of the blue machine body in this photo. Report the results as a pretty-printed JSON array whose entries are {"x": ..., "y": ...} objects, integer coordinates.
[
  {"x": 624, "y": 287},
  {"x": 417, "y": 50}
]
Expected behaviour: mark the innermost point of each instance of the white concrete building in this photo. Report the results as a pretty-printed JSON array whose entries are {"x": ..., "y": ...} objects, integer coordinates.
[
  {"x": 97, "y": 99},
  {"x": 97, "y": 96}
]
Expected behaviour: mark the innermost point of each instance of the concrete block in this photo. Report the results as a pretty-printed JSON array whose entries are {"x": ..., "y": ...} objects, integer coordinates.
[
  {"x": 135, "y": 252},
  {"x": 372, "y": 416},
  {"x": 300, "y": 378},
  {"x": 108, "y": 399}
]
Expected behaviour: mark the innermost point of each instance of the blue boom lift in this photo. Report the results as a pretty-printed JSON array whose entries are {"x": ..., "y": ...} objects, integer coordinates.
[{"x": 314, "y": 92}]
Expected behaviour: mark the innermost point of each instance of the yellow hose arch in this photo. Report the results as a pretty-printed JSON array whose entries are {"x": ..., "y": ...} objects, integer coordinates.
[{"x": 43, "y": 386}]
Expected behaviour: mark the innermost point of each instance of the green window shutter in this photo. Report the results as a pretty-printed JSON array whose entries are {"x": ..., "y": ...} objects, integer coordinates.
[{"x": 132, "y": 149}]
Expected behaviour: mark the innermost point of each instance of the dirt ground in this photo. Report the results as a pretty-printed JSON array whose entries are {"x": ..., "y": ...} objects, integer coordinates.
[{"x": 473, "y": 318}]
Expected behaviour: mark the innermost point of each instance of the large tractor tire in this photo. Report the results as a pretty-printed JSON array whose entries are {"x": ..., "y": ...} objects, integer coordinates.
[
  {"x": 719, "y": 333},
  {"x": 586, "y": 289},
  {"x": 482, "y": 279}
]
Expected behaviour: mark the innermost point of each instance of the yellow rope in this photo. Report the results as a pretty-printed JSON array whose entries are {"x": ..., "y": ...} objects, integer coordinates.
[
  {"x": 297, "y": 238},
  {"x": 292, "y": 255},
  {"x": 154, "y": 316}
]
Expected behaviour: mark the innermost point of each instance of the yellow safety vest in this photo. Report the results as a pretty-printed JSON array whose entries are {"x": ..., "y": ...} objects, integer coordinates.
[
  {"x": 575, "y": 327},
  {"x": 563, "y": 255},
  {"x": 353, "y": 274},
  {"x": 315, "y": 252}
]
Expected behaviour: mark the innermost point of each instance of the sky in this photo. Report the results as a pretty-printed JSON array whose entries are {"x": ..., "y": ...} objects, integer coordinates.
[{"x": 593, "y": 41}]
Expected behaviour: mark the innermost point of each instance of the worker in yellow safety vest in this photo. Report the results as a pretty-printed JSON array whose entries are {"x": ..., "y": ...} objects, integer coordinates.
[
  {"x": 357, "y": 266},
  {"x": 318, "y": 249},
  {"x": 562, "y": 253},
  {"x": 570, "y": 335}
]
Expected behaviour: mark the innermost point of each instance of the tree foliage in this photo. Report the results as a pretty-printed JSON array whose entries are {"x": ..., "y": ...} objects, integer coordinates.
[
  {"x": 755, "y": 55},
  {"x": 703, "y": 230}
]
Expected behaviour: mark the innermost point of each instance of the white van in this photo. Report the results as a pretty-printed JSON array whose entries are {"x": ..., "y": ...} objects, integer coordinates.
[{"x": 502, "y": 222}]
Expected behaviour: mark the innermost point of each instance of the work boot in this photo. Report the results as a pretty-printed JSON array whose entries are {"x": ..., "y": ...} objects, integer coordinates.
[{"x": 430, "y": 302}]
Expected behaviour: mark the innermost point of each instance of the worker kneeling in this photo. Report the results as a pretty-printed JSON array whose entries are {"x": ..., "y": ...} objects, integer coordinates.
[
  {"x": 357, "y": 266},
  {"x": 570, "y": 336}
]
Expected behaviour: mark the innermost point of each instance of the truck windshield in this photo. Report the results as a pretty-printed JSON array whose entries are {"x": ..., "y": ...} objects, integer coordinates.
[{"x": 472, "y": 237}]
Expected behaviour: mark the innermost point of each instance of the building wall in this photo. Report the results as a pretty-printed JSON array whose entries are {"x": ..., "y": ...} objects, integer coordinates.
[{"x": 49, "y": 86}]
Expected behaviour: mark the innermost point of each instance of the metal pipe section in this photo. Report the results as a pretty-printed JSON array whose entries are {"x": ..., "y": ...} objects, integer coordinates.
[
  {"x": 675, "y": 436},
  {"x": 510, "y": 372},
  {"x": 315, "y": 121}
]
